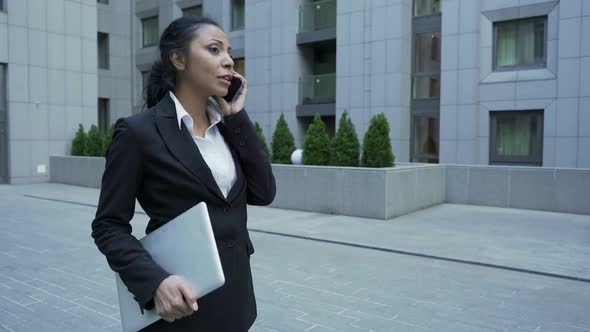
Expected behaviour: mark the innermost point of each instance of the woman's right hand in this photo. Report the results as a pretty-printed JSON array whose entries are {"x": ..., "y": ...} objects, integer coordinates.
[{"x": 175, "y": 298}]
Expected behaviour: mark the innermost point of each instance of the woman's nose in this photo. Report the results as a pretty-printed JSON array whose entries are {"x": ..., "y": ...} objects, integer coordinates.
[{"x": 228, "y": 62}]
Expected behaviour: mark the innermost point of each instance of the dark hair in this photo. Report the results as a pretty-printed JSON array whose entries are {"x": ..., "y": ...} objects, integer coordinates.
[{"x": 175, "y": 39}]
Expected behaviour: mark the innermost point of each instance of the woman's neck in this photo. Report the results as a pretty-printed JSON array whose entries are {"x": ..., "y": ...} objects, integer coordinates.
[{"x": 196, "y": 106}]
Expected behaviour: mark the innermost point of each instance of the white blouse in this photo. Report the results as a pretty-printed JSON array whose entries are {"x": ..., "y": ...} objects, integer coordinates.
[{"x": 213, "y": 147}]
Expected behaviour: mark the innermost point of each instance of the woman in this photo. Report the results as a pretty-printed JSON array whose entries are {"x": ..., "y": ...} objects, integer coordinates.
[{"x": 183, "y": 150}]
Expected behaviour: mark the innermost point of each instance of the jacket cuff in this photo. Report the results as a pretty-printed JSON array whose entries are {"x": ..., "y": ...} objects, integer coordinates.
[{"x": 146, "y": 299}]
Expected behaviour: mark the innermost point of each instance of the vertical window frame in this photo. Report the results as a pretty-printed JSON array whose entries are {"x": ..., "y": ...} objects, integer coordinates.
[{"x": 106, "y": 63}]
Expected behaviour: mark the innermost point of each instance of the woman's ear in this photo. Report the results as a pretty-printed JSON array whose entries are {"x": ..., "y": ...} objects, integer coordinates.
[{"x": 178, "y": 61}]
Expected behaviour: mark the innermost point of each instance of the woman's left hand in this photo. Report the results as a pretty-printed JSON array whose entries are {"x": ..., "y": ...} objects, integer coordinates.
[{"x": 238, "y": 103}]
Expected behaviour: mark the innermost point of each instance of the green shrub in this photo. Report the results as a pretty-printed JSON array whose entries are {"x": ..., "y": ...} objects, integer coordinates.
[
  {"x": 95, "y": 143},
  {"x": 262, "y": 138},
  {"x": 377, "y": 151},
  {"x": 108, "y": 138},
  {"x": 316, "y": 144},
  {"x": 283, "y": 143},
  {"x": 346, "y": 144},
  {"x": 79, "y": 141}
]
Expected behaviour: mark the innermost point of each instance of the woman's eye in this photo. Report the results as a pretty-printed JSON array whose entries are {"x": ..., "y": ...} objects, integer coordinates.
[{"x": 214, "y": 50}]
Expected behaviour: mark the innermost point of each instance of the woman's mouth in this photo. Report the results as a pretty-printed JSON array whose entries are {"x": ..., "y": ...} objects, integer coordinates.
[{"x": 225, "y": 79}]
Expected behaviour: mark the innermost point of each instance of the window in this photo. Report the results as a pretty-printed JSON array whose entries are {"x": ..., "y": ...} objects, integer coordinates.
[
  {"x": 426, "y": 138},
  {"x": 520, "y": 44},
  {"x": 149, "y": 28},
  {"x": 516, "y": 137},
  {"x": 426, "y": 7},
  {"x": 103, "y": 115},
  {"x": 237, "y": 15},
  {"x": 2, "y": 6},
  {"x": 103, "y": 50},
  {"x": 427, "y": 65},
  {"x": 105, "y": 2},
  {"x": 195, "y": 10},
  {"x": 240, "y": 66}
]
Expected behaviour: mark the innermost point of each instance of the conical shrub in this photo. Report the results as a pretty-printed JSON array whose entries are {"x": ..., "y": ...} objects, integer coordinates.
[
  {"x": 262, "y": 138},
  {"x": 377, "y": 151},
  {"x": 283, "y": 142},
  {"x": 79, "y": 141},
  {"x": 317, "y": 143},
  {"x": 346, "y": 144},
  {"x": 108, "y": 138},
  {"x": 95, "y": 143}
]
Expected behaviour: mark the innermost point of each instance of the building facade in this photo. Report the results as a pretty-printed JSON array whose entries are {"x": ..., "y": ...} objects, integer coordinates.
[{"x": 461, "y": 81}]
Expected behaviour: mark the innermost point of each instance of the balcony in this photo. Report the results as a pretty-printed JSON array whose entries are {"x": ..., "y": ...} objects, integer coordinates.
[
  {"x": 317, "y": 94},
  {"x": 317, "y": 22}
]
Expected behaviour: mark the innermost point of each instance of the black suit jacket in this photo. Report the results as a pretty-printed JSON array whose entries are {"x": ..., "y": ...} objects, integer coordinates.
[{"x": 151, "y": 159}]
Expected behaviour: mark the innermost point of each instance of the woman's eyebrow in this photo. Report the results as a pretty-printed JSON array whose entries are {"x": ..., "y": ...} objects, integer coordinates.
[{"x": 222, "y": 43}]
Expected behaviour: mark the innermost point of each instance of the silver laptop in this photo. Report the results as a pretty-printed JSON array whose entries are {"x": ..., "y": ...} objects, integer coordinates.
[{"x": 183, "y": 246}]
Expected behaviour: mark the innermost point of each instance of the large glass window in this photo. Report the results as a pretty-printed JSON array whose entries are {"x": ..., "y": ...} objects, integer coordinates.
[
  {"x": 426, "y": 7},
  {"x": 237, "y": 15},
  {"x": 195, "y": 10},
  {"x": 427, "y": 65},
  {"x": 149, "y": 31},
  {"x": 103, "y": 115},
  {"x": 520, "y": 44},
  {"x": 426, "y": 138},
  {"x": 516, "y": 137},
  {"x": 103, "y": 50}
]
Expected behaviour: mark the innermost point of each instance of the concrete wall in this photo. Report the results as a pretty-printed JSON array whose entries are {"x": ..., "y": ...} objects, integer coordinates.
[
  {"x": 548, "y": 189},
  {"x": 50, "y": 49},
  {"x": 373, "y": 66},
  {"x": 115, "y": 83},
  {"x": 384, "y": 193}
]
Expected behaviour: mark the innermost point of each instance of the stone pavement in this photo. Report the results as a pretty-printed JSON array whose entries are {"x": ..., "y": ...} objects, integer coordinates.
[{"x": 447, "y": 268}]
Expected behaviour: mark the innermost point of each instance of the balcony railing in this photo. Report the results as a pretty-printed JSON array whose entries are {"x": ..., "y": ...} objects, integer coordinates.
[
  {"x": 317, "y": 15},
  {"x": 317, "y": 89}
]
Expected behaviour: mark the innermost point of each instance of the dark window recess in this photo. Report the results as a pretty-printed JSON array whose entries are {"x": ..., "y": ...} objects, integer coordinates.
[
  {"x": 195, "y": 10},
  {"x": 145, "y": 75},
  {"x": 149, "y": 31},
  {"x": 516, "y": 137},
  {"x": 426, "y": 83},
  {"x": 103, "y": 115},
  {"x": 104, "y": 2},
  {"x": 520, "y": 44},
  {"x": 2, "y": 6},
  {"x": 238, "y": 15},
  {"x": 426, "y": 7},
  {"x": 426, "y": 138},
  {"x": 103, "y": 50},
  {"x": 240, "y": 66}
]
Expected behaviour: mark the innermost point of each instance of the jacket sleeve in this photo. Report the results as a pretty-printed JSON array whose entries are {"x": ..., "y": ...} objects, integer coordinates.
[
  {"x": 111, "y": 228},
  {"x": 260, "y": 181}
]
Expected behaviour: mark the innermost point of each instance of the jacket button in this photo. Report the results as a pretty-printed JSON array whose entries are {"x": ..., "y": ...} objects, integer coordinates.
[
  {"x": 230, "y": 243},
  {"x": 242, "y": 143},
  {"x": 227, "y": 211},
  {"x": 237, "y": 130}
]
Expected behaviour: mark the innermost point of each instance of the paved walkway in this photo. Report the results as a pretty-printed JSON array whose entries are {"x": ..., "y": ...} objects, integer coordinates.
[{"x": 447, "y": 268}]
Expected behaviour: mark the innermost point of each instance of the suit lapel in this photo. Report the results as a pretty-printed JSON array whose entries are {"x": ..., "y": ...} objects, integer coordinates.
[
  {"x": 182, "y": 146},
  {"x": 237, "y": 187}
]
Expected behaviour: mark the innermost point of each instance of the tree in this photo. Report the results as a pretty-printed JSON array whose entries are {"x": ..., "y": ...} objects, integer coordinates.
[
  {"x": 317, "y": 143},
  {"x": 79, "y": 142},
  {"x": 346, "y": 144},
  {"x": 262, "y": 138},
  {"x": 283, "y": 143},
  {"x": 377, "y": 151},
  {"x": 95, "y": 143}
]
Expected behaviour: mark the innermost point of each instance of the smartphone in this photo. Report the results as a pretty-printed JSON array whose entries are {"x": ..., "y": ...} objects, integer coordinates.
[{"x": 234, "y": 88}]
